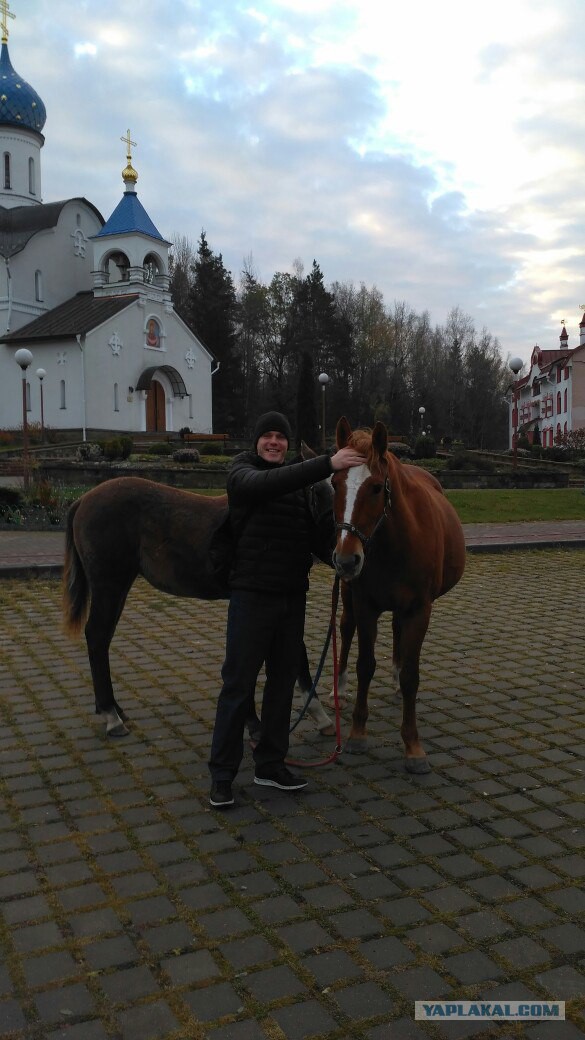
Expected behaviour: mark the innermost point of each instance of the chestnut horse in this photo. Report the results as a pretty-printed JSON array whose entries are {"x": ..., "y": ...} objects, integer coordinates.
[
  {"x": 128, "y": 527},
  {"x": 400, "y": 546}
]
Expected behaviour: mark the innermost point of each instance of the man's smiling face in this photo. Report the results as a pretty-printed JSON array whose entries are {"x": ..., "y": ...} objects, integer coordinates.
[{"x": 272, "y": 446}]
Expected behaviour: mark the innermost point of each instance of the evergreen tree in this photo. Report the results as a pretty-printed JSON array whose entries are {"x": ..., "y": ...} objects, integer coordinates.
[
  {"x": 307, "y": 423},
  {"x": 213, "y": 312},
  {"x": 253, "y": 333},
  {"x": 181, "y": 261}
]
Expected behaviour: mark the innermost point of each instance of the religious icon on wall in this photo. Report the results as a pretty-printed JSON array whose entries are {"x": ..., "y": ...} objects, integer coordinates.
[{"x": 152, "y": 333}]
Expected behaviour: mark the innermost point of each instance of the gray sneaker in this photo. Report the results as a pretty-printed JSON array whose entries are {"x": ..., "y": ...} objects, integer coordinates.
[
  {"x": 281, "y": 777},
  {"x": 221, "y": 795}
]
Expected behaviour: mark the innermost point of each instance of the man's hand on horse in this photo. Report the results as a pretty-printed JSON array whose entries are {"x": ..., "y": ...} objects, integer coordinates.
[{"x": 347, "y": 457}]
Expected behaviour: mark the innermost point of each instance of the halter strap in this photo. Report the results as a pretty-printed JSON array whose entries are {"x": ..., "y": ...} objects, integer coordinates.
[{"x": 366, "y": 539}]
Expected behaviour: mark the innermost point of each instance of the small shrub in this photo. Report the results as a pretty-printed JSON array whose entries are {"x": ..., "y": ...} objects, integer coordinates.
[
  {"x": 127, "y": 447},
  {"x": 558, "y": 453},
  {"x": 466, "y": 460},
  {"x": 10, "y": 498},
  {"x": 400, "y": 450},
  {"x": 160, "y": 448},
  {"x": 213, "y": 448},
  {"x": 183, "y": 431},
  {"x": 7, "y": 437},
  {"x": 186, "y": 455},
  {"x": 113, "y": 449},
  {"x": 435, "y": 465},
  {"x": 44, "y": 494},
  {"x": 425, "y": 447},
  {"x": 34, "y": 432},
  {"x": 88, "y": 452},
  {"x": 13, "y": 515}
]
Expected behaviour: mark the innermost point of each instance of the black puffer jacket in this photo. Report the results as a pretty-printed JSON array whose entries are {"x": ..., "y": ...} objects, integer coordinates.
[{"x": 270, "y": 515}]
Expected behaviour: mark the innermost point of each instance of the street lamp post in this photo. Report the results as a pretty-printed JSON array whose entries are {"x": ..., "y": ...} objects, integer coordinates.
[
  {"x": 421, "y": 412},
  {"x": 41, "y": 374},
  {"x": 515, "y": 365},
  {"x": 323, "y": 379},
  {"x": 23, "y": 358}
]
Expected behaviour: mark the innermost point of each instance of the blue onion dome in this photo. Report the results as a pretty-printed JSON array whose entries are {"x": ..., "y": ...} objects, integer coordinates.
[{"x": 20, "y": 105}]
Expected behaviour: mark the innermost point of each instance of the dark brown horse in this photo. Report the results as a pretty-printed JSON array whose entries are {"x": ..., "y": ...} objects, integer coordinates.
[
  {"x": 400, "y": 546},
  {"x": 129, "y": 527}
]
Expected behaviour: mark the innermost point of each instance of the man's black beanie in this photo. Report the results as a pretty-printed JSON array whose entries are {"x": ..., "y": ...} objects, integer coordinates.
[{"x": 272, "y": 421}]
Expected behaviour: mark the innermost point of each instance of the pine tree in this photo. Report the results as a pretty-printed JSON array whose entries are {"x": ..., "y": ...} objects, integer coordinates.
[
  {"x": 213, "y": 312},
  {"x": 307, "y": 423}
]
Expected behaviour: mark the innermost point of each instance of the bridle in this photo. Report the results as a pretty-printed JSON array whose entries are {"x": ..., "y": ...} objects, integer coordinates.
[{"x": 366, "y": 539}]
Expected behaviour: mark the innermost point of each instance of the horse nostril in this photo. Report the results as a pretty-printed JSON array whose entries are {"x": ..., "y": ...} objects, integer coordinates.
[{"x": 345, "y": 564}]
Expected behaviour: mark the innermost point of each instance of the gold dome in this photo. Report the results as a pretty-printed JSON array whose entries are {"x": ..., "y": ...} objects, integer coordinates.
[{"x": 129, "y": 173}]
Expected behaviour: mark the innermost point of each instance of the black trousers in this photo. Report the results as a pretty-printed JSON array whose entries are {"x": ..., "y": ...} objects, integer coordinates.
[{"x": 263, "y": 628}]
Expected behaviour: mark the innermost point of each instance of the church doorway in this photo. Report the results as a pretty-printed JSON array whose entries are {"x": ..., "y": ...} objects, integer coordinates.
[{"x": 155, "y": 408}]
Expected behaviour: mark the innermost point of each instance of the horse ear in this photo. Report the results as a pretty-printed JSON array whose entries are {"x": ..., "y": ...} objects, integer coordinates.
[
  {"x": 380, "y": 439},
  {"x": 306, "y": 452},
  {"x": 343, "y": 432}
]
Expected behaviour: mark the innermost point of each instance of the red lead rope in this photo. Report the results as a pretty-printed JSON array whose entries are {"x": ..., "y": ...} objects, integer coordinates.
[{"x": 338, "y": 748}]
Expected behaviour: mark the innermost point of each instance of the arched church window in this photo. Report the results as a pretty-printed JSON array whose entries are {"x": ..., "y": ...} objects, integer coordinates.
[
  {"x": 7, "y": 183},
  {"x": 31, "y": 176},
  {"x": 116, "y": 399},
  {"x": 38, "y": 285},
  {"x": 151, "y": 268},
  {"x": 62, "y": 393},
  {"x": 118, "y": 267}
]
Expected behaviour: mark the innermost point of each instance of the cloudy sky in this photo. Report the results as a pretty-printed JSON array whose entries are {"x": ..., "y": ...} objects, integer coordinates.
[{"x": 433, "y": 150}]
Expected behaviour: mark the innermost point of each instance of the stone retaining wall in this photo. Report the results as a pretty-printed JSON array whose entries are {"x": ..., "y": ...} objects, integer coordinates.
[{"x": 90, "y": 473}]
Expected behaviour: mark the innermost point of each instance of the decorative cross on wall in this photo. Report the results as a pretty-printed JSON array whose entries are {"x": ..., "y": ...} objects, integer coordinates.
[
  {"x": 79, "y": 240},
  {"x": 62, "y": 357},
  {"x": 116, "y": 344}
]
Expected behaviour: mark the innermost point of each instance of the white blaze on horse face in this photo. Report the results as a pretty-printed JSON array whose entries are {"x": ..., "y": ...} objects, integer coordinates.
[{"x": 354, "y": 480}]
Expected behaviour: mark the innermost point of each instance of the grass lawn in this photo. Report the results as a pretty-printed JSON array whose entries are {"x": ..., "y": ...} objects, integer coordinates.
[
  {"x": 477, "y": 506},
  {"x": 505, "y": 506},
  {"x": 495, "y": 506}
]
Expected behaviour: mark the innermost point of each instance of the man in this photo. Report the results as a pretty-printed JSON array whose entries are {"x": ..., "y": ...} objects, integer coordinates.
[{"x": 269, "y": 580}]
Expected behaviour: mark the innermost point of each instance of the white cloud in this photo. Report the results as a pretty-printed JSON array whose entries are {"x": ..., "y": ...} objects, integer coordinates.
[
  {"x": 81, "y": 49},
  {"x": 432, "y": 150}
]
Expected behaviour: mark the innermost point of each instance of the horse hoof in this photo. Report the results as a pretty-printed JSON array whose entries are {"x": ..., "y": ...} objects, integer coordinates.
[
  {"x": 355, "y": 745},
  {"x": 327, "y": 731},
  {"x": 119, "y": 730},
  {"x": 417, "y": 766}
]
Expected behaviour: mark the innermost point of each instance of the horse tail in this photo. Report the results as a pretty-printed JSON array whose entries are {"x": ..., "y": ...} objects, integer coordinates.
[{"x": 75, "y": 586}]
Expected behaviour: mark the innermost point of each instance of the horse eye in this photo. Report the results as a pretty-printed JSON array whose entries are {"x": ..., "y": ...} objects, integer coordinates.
[{"x": 376, "y": 488}]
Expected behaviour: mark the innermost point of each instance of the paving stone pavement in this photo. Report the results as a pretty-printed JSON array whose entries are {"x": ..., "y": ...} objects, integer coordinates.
[{"x": 129, "y": 910}]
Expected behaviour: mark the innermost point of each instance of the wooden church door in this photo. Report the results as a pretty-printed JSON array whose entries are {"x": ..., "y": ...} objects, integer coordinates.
[{"x": 155, "y": 408}]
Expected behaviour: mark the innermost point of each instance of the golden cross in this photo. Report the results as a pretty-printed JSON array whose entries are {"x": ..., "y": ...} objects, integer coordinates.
[
  {"x": 5, "y": 14},
  {"x": 127, "y": 139}
]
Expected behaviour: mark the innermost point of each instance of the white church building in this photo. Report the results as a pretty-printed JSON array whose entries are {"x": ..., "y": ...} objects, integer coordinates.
[{"x": 89, "y": 299}]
